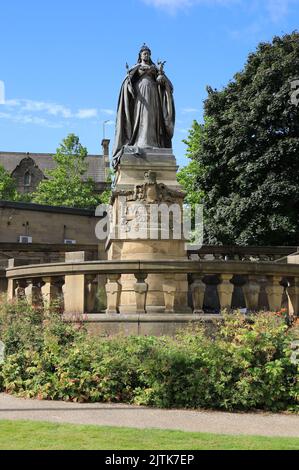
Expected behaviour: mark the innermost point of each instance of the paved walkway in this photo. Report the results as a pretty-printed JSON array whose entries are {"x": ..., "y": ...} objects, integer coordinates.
[{"x": 263, "y": 424}]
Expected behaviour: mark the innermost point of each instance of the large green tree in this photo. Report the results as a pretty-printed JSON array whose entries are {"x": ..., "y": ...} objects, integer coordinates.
[
  {"x": 247, "y": 157},
  {"x": 188, "y": 175},
  {"x": 8, "y": 191},
  {"x": 65, "y": 185}
]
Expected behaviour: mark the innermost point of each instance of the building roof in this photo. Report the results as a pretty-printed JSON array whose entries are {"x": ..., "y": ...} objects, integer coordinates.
[
  {"x": 96, "y": 163},
  {"x": 28, "y": 206}
]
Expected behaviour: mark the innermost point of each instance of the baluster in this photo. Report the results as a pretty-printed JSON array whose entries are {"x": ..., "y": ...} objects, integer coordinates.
[
  {"x": 263, "y": 300},
  {"x": 73, "y": 290},
  {"x": 293, "y": 296},
  {"x": 50, "y": 291},
  {"x": 20, "y": 289},
  {"x": 91, "y": 288},
  {"x": 141, "y": 289},
  {"x": 251, "y": 293},
  {"x": 3, "y": 285},
  {"x": 10, "y": 289},
  {"x": 33, "y": 292},
  {"x": 113, "y": 290},
  {"x": 274, "y": 291},
  {"x": 62, "y": 291},
  {"x": 225, "y": 291},
  {"x": 198, "y": 289},
  {"x": 169, "y": 290}
]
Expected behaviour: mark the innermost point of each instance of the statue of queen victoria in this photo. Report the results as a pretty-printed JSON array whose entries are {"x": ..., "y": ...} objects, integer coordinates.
[{"x": 146, "y": 112}]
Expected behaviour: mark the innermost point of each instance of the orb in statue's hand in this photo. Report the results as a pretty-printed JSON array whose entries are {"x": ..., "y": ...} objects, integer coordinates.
[{"x": 160, "y": 79}]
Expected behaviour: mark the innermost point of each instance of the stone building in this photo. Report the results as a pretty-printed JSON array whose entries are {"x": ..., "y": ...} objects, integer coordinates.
[
  {"x": 35, "y": 233},
  {"x": 29, "y": 169}
]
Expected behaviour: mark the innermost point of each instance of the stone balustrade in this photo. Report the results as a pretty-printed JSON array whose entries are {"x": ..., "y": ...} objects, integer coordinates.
[
  {"x": 213, "y": 285},
  {"x": 41, "y": 253},
  {"x": 241, "y": 253},
  {"x": 3, "y": 281}
]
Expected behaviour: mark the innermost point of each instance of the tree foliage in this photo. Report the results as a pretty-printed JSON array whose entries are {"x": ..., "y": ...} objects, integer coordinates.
[
  {"x": 8, "y": 191},
  {"x": 66, "y": 185},
  {"x": 188, "y": 175},
  {"x": 247, "y": 158}
]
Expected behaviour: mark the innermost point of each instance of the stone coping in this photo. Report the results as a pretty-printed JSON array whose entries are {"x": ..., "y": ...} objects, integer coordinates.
[
  {"x": 145, "y": 318},
  {"x": 204, "y": 250},
  {"x": 49, "y": 247},
  {"x": 155, "y": 267},
  {"x": 243, "y": 250}
]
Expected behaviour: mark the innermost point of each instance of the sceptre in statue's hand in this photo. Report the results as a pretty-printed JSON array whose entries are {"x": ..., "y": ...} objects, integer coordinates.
[
  {"x": 161, "y": 75},
  {"x": 161, "y": 66}
]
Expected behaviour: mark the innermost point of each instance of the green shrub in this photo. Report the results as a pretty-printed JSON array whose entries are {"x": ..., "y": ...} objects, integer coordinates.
[
  {"x": 245, "y": 365},
  {"x": 20, "y": 326}
]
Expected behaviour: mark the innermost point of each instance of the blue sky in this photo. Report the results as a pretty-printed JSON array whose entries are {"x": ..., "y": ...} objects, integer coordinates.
[{"x": 62, "y": 62}]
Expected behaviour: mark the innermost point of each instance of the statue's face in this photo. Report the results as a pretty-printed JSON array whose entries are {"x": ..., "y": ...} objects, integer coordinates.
[{"x": 145, "y": 56}]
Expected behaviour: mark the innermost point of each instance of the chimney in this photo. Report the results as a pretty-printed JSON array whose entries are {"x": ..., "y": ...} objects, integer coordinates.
[{"x": 105, "y": 147}]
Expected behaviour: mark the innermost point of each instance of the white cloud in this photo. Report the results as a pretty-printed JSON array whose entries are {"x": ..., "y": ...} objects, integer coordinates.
[
  {"x": 275, "y": 9},
  {"x": 278, "y": 9},
  {"x": 174, "y": 5},
  {"x": 50, "y": 108},
  {"x": 190, "y": 110},
  {"x": 28, "y": 119},
  {"x": 12, "y": 103},
  {"x": 110, "y": 112},
  {"x": 2, "y": 92},
  {"x": 43, "y": 113},
  {"x": 86, "y": 113},
  {"x": 4, "y": 115},
  {"x": 265, "y": 12}
]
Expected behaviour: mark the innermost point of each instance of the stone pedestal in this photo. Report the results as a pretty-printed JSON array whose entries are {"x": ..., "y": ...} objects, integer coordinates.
[
  {"x": 132, "y": 167},
  {"x": 147, "y": 225}
]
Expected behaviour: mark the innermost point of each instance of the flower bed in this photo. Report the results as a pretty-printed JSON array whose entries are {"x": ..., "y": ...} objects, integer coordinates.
[{"x": 246, "y": 365}]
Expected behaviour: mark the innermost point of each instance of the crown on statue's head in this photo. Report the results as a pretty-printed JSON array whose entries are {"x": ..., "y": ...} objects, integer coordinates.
[{"x": 145, "y": 48}]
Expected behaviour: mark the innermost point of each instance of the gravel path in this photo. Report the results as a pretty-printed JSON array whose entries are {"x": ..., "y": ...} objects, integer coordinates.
[{"x": 263, "y": 424}]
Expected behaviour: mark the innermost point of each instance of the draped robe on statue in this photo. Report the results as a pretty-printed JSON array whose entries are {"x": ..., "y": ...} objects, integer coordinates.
[{"x": 146, "y": 113}]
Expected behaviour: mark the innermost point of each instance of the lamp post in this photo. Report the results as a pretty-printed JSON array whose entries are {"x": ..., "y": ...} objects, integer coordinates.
[{"x": 104, "y": 127}]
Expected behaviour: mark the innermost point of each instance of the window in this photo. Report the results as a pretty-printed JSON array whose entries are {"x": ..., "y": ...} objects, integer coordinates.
[{"x": 27, "y": 179}]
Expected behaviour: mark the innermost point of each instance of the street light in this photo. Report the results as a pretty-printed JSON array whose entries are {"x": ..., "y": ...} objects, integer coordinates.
[{"x": 104, "y": 124}]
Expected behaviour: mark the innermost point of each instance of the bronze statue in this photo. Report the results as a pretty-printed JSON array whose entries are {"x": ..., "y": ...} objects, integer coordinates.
[{"x": 146, "y": 112}]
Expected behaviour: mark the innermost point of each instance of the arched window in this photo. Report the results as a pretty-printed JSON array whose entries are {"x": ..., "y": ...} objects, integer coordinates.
[{"x": 27, "y": 179}]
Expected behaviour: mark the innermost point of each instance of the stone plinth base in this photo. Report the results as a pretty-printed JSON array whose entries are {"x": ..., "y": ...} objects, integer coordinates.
[
  {"x": 132, "y": 168},
  {"x": 148, "y": 225},
  {"x": 146, "y": 325}
]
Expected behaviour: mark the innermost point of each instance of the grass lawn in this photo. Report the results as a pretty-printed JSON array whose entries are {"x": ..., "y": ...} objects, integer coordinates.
[{"x": 20, "y": 435}]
